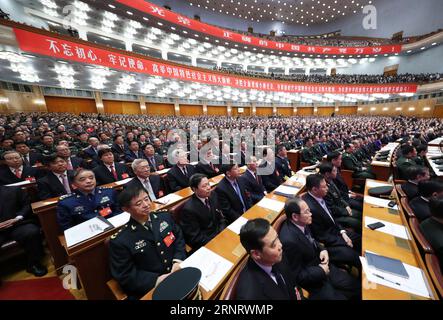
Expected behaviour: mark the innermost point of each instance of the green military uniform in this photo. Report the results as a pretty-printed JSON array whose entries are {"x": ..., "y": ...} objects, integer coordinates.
[
  {"x": 337, "y": 205},
  {"x": 419, "y": 161},
  {"x": 307, "y": 155},
  {"x": 403, "y": 164},
  {"x": 350, "y": 162},
  {"x": 139, "y": 254},
  {"x": 317, "y": 152},
  {"x": 46, "y": 150}
]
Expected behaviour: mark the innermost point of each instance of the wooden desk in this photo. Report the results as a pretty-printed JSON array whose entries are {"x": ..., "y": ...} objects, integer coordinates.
[
  {"x": 227, "y": 243},
  {"x": 433, "y": 152},
  {"x": 435, "y": 142},
  {"x": 393, "y": 247},
  {"x": 383, "y": 169},
  {"x": 294, "y": 159},
  {"x": 91, "y": 257}
]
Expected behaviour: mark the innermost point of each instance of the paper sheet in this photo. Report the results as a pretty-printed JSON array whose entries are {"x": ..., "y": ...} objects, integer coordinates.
[
  {"x": 163, "y": 171},
  {"x": 386, "y": 163},
  {"x": 396, "y": 230},
  {"x": 289, "y": 190},
  {"x": 415, "y": 284},
  {"x": 84, "y": 231},
  {"x": 170, "y": 198},
  {"x": 271, "y": 204},
  {"x": 122, "y": 182},
  {"x": 120, "y": 219},
  {"x": 373, "y": 184},
  {"x": 212, "y": 266},
  {"x": 379, "y": 202},
  {"x": 18, "y": 184},
  {"x": 237, "y": 224}
]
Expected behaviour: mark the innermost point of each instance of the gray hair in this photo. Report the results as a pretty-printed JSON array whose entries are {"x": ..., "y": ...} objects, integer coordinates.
[{"x": 136, "y": 163}]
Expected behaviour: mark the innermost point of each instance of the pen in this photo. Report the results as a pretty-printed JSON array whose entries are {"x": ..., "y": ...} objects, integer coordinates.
[{"x": 381, "y": 277}]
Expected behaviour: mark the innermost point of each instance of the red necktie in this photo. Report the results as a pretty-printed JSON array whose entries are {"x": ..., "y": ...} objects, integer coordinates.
[
  {"x": 114, "y": 173},
  {"x": 18, "y": 173}
]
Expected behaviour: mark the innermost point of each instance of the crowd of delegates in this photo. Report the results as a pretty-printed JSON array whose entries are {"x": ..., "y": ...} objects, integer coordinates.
[
  {"x": 72, "y": 157},
  {"x": 338, "y": 78}
]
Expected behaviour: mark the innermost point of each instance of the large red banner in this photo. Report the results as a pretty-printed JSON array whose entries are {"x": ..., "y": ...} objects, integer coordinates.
[
  {"x": 63, "y": 49},
  {"x": 164, "y": 14}
]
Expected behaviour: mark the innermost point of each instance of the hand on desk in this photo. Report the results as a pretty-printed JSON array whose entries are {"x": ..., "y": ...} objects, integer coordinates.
[
  {"x": 347, "y": 240},
  {"x": 324, "y": 257}
]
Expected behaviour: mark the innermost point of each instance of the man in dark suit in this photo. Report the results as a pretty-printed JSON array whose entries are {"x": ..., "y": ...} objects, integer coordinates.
[
  {"x": 151, "y": 183},
  {"x": 92, "y": 151},
  {"x": 109, "y": 171},
  {"x": 16, "y": 224},
  {"x": 340, "y": 208},
  {"x": 14, "y": 171},
  {"x": 253, "y": 183},
  {"x": 179, "y": 174},
  {"x": 57, "y": 181},
  {"x": 231, "y": 194},
  {"x": 266, "y": 275},
  {"x": 72, "y": 162},
  {"x": 415, "y": 174},
  {"x": 269, "y": 174},
  {"x": 30, "y": 158},
  {"x": 309, "y": 260},
  {"x": 206, "y": 165},
  {"x": 133, "y": 152},
  {"x": 119, "y": 148},
  {"x": 343, "y": 246},
  {"x": 354, "y": 200},
  {"x": 148, "y": 248},
  {"x": 155, "y": 161},
  {"x": 282, "y": 163},
  {"x": 201, "y": 220},
  {"x": 432, "y": 228},
  {"x": 427, "y": 189}
]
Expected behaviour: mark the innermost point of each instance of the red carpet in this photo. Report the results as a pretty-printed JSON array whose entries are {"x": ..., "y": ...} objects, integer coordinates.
[{"x": 36, "y": 289}]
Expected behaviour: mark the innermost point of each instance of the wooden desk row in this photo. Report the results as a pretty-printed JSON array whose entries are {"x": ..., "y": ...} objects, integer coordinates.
[
  {"x": 434, "y": 151},
  {"x": 227, "y": 243},
  {"x": 393, "y": 247},
  {"x": 383, "y": 169}
]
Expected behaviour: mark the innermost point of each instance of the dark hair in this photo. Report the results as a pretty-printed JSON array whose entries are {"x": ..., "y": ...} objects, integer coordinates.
[
  {"x": 305, "y": 140},
  {"x": 280, "y": 147},
  {"x": 228, "y": 167},
  {"x": 134, "y": 141},
  {"x": 19, "y": 143},
  {"x": 252, "y": 233},
  {"x": 412, "y": 172},
  {"x": 421, "y": 147},
  {"x": 292, "y": 206},
  {"x": 103, "y": 151},
  {"x": 51, "y": 159},
  {"x": 195, "y": 180},
  {"x": 326, "y": 167},
  {"x": 347, "y": 146},
  {"x": 80, "y": 171},
  {"x": 125, "y": 197},
  {"x": 406, "y": 149},
  {"x": 428, "y": 187},
  {"x": 333, "y": 155},
  {"x": 117, "y": 136},
  {"x": 148, "y": 144},
  {"x": 313, "y": 181},
  {"x": 436, "y": 207}
]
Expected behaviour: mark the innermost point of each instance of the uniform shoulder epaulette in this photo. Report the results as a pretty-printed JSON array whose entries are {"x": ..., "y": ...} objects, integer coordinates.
[
  {"x": 104, "y": 188},
  {"x": 115, "y": 235},
  {"x": 65, "y": 196}
]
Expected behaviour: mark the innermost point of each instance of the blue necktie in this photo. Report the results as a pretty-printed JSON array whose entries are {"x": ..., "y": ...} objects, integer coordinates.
[{"x": 237, "y": 190}]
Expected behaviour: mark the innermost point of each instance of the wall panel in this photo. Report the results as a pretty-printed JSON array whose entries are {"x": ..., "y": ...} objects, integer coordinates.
[
  {"x": 417, "y": 108},
  {"x": 325, "y": 111},
  {"x": 246, "y": 111},
  {"x": 74, "y": 105},
  {"x": 217, "y": 111},
  {"x": 121, "y": 107},
  {"x": 346, "y": 110},
  {"x": 191, "y": 110},
  {"x": 305, "y": 111},
  {"x": 263, "y": 111},
  {"x": 438, "y": 111},
  {"x": 160, "y": 109},
  {"x": 285, "y": 111}
]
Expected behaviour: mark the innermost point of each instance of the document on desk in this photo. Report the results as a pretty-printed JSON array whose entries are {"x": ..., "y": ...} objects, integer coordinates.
[
  {"x": 379, "y": 202},
  {"x": 163, "y": 171},
  {"x": 271, "y": 204},
  {"x": 212, "y": 266},
  {"x": 287, "y": 191},
  {"x": 374, "y": 184},
  {"x": 18, "y": 184},
  {"x": 122, "y": 182},
  {"x": 393, "y": 229},
  {"x": 415, "y": 284},
  {"x": 170, "y": 198},
  {"x": 237, "y": 224},
  {"x": 86, "y": 230},
  {"x": 120, "y": 219}
]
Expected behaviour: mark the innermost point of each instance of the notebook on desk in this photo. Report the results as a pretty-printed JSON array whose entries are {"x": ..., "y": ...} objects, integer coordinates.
[{"x": 386, "y": 264}]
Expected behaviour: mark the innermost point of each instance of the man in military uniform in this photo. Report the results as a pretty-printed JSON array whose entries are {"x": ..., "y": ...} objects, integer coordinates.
[
  {"x": 148, "y": 248},
  {"x": 86, "y": 202},
  {"x": 307, "y": 153},
  {"x": 350, "y": 162},
  {"x": 406, "y": 160},
  {"x": 47, "y": 147},
  {"x": 339, "y": 207}
]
